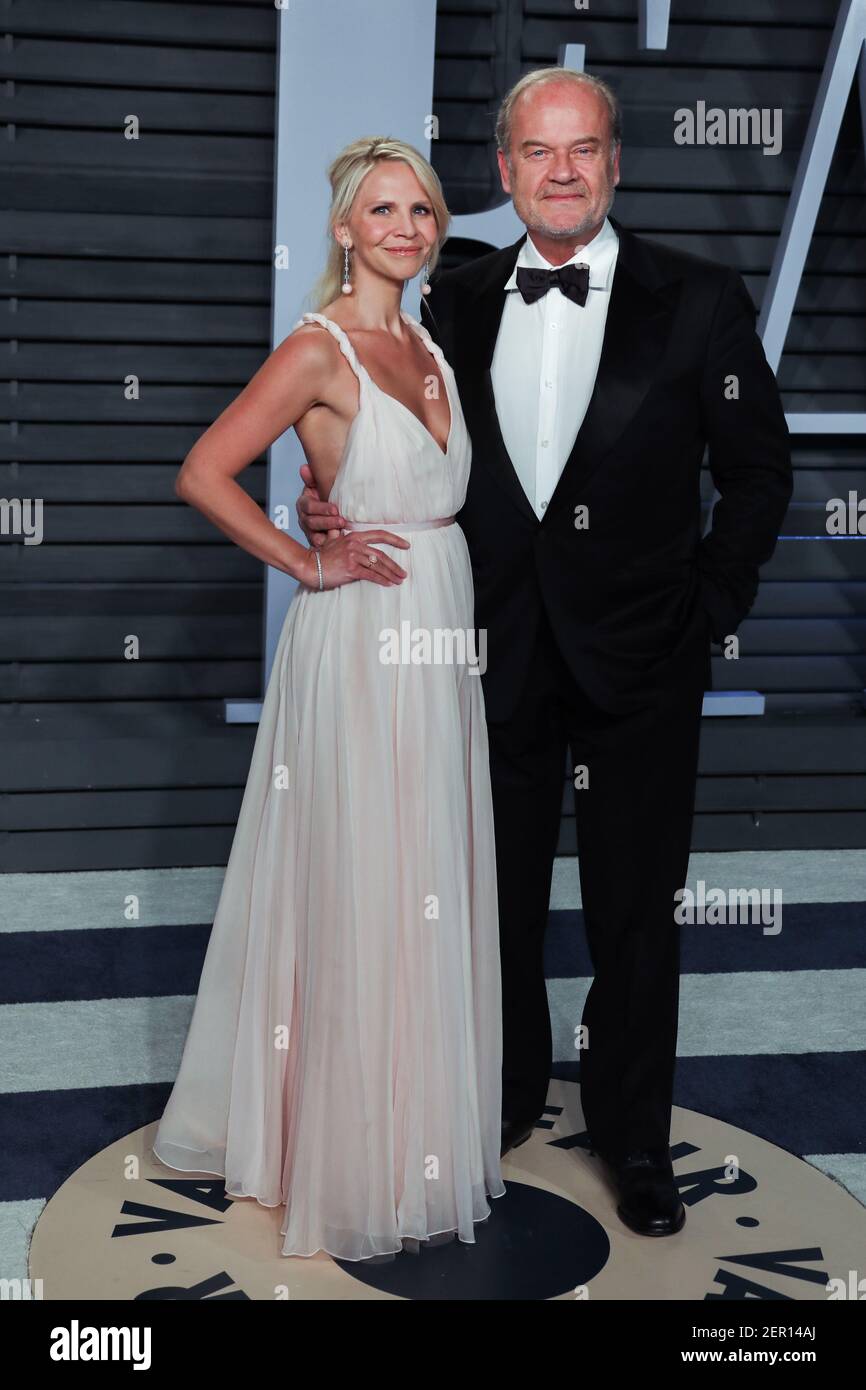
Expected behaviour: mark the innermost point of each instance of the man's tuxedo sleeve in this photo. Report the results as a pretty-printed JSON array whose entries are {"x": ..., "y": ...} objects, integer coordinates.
[
  {"x": 749, "y": 460},
  {"x": 436, "y": 315}
]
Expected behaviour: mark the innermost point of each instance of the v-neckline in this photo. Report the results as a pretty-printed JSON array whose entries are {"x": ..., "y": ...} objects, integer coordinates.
[{"x": 387, "y": 394}]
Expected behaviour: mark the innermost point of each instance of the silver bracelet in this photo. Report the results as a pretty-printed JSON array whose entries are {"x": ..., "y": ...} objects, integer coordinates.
[{"x": 319, "y": 564}]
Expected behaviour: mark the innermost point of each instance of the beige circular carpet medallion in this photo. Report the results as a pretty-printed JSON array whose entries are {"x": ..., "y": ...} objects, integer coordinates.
[{"x": 760, "y": 1223}]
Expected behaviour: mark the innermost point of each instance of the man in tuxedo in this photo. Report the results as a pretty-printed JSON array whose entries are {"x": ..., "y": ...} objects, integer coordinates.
[{"x": 594, "y": 368}]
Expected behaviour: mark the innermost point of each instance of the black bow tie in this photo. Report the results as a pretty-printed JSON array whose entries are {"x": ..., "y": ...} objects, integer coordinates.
[{"x": 573, "y": 280}]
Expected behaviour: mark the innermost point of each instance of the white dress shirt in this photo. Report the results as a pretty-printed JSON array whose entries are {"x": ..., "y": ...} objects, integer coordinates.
[{"x": 545, "y": 363}]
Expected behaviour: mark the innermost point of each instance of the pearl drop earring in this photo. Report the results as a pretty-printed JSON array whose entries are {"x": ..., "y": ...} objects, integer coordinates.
[
  {"x": 347, "y": 288},
  {"x": 425, "y": 288}
]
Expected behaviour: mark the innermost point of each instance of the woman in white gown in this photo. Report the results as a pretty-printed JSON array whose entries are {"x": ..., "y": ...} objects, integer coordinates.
[{"x": 344, "y": 1053}]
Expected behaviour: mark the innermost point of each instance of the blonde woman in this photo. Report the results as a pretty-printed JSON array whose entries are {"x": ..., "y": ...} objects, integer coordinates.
[{"x": 344, "y": 1054}]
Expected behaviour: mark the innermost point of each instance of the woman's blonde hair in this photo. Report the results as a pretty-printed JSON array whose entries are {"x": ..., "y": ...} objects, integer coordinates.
[{"x": 346, "y": 175}]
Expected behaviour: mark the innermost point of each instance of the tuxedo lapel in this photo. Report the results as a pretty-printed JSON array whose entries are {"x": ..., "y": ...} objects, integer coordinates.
[
  {"x": 481, "y": 315},
  {"x": 636, "y": 329}
]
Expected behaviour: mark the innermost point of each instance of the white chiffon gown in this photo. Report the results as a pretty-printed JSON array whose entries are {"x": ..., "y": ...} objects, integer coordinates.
[{"x": 345, "y": 1049}]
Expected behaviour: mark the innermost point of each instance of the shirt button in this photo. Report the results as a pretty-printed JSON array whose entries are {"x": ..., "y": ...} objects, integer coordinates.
[
  {"x": 553, "y": 325},
  {"x": 548, "y": 383},
  {"x": 544, "y": 443},
  {"x": 543, "y": 505}
]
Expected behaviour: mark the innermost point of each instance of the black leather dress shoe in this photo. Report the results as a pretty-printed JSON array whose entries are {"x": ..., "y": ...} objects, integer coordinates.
[
  {"x": 515, "y": 1133},
  {"x": 649, "y": 1202}
]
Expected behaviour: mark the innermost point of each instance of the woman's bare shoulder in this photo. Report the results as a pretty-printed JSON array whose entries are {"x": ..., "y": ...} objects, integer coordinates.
[
  {"x": 309, "y": 352},
  {"x": 309, "y": 342}
]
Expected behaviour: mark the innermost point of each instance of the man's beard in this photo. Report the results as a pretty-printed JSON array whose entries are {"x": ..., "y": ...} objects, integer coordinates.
[{"x": 572, "y": 229}]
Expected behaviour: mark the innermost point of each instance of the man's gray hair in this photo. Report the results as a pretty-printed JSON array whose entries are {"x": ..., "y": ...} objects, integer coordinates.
[{"x": 537, "y": 78}]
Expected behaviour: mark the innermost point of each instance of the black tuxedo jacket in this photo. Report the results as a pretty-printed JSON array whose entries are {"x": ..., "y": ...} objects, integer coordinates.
[{"x": 637, "y": 589}]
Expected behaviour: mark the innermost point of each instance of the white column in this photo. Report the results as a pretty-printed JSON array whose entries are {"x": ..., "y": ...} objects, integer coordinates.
[{"x": 345, "y": 69}]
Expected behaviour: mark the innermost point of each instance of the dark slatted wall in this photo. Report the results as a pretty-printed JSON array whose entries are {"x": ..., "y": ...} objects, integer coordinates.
[
  {"x": 151, "y": 258},
  {"x": 147, "y": 258},
  {"x": 795, "y": 777}
]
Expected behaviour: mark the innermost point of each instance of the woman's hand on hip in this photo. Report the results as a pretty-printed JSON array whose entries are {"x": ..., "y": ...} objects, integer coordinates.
[{"x": 346, "y": 559}]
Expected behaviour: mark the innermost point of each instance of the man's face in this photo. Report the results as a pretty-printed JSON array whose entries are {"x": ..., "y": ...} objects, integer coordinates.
[{"x": 561, "y": 177}]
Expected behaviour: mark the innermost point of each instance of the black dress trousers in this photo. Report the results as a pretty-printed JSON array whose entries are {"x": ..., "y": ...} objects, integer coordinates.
[{"x": 634, "y": 822}]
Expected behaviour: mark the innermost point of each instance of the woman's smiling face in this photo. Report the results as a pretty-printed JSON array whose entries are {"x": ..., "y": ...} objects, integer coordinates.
[{"x": 392, "y": 227}]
